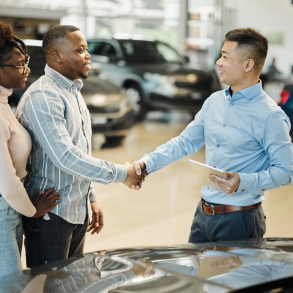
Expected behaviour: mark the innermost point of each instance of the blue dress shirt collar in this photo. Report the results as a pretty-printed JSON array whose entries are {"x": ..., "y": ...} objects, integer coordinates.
[{"x": 248, "y": 93}]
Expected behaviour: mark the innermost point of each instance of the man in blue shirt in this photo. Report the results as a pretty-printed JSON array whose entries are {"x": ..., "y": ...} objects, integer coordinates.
[{"x": 244, "y": 133}]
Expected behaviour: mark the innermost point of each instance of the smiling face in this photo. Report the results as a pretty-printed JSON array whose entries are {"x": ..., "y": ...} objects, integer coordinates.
[
  {"x": 74, "y": 56},
  {"x": 13, "y": 77},
  {"x": 232, "y": 64}
]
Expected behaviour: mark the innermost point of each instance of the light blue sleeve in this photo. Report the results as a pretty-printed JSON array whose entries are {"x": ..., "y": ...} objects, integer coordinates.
[
  {"x": 278, "y": 148},
  {"x": 188, "y": 142},
  {"x": 44, "y": 111}
]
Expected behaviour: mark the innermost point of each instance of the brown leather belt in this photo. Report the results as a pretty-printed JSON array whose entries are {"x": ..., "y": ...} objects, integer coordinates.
[{"x": 221, "y": 209}]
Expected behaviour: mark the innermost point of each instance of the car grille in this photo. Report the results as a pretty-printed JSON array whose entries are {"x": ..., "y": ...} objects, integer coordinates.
[{"x": 114, "y": 107}]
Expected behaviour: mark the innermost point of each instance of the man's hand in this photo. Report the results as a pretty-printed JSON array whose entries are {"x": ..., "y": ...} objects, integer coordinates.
[
  {"x": 142, "y": 271},
  {"x": 228, "y": 185},
  {"x": 98, "y": 219},
  {"x": 231, "y": 262},
  {"x": 133, "y": 179},
  {"x": 139, "y": 167}
]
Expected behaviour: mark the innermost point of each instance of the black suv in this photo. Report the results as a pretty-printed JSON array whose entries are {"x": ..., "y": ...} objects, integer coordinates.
[{"x": 154, "y": 74}]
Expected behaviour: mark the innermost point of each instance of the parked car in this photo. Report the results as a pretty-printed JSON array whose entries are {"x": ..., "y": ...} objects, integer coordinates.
[
  {"x": 153, "y": 73},
  {"x": 264, "y": 265},
  {"x": 110, "y": 108},
  {"x": 286, "y": 101}
]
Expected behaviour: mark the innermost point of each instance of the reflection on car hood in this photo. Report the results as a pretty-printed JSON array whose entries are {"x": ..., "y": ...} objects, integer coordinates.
[{"x": 204, "y": 267}]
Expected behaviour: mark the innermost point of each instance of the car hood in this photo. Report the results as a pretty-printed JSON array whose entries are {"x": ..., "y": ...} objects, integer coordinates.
[
  {"x": 203, "y": 267},
  {"x": 171, "y": 69}
]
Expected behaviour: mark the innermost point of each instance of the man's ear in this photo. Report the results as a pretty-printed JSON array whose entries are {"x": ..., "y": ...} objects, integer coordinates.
[
  {"x": 249, "y": 65},
  {"x": 56, "y": 57}
]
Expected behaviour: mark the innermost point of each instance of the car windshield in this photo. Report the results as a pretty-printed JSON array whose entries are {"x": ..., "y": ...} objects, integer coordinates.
[{"x": 148, "y": 52}]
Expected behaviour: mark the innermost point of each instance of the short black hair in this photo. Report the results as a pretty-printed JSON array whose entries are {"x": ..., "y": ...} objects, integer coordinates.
[
  {"x": 254, "y": 44},
  {"x": 55, "y": 35},
  {"x": 8, "y": 42}
]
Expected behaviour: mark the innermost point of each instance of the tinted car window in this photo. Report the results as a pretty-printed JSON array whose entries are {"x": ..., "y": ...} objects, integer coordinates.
[
  {"x": 168, "y": 53},
  {"x": 148, "y": 52},
  {"x": 37, "y": 56},
  {"x": 95, "y": 47},
  {"x": 109, "y": 51},
  {"x": 141, "y": 52}
]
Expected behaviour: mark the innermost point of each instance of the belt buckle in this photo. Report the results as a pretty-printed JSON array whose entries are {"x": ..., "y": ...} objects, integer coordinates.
[{"x": 213, "y": 208}]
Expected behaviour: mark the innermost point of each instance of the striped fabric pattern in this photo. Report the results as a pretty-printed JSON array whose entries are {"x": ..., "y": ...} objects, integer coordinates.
[{"x": 54, "y": 113}]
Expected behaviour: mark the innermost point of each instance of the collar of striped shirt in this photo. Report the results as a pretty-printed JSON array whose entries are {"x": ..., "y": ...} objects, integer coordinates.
[{"x": 62, "y": 80}]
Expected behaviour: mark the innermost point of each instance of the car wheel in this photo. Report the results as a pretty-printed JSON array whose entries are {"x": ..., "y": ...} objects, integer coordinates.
[{"x": 136, "y": 98}]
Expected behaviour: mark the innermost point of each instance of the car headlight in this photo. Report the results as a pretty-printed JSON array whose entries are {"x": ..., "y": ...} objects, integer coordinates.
[
  {"x": 158, "y": 78},
  {"x": 97, "y": 100}
]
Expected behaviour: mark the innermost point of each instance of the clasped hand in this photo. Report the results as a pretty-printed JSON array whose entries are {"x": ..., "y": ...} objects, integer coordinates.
[{"x": 135, "y": 175}]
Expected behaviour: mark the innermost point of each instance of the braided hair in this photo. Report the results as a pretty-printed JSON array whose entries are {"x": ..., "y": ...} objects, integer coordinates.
[{"x": 8, "y": 42}]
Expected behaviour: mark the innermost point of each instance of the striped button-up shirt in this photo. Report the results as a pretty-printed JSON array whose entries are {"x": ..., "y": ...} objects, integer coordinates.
[{"x": 54, "y": 113}]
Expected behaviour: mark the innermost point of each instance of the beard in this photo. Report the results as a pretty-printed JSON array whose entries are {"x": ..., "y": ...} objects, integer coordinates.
[{"x": 80, "y": 74}]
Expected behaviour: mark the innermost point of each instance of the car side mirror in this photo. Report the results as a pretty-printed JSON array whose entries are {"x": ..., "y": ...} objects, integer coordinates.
[{"x": 186, "y": 59}]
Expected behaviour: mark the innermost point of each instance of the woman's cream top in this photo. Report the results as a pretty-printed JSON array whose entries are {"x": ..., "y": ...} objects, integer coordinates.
[{"x": 15, "y": 146}]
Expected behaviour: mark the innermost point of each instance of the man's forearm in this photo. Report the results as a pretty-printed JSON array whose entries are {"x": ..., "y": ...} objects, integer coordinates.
[{"x": 172, "y": 151}]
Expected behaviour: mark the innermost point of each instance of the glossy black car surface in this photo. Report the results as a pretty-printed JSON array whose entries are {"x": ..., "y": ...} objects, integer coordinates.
[
  {"x": 242, "y": 266},
  {"x": 153, "y": 73},
  {"x": 110, "y": 109}
]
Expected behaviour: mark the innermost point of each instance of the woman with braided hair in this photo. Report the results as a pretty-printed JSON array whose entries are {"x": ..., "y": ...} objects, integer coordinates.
[{"x": 15, "y": 146}]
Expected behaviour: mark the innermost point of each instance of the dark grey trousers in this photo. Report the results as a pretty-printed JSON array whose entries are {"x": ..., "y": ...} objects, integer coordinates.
[
  {"x": 229, "y": 226},
  {"x": 51, "y": 240}
]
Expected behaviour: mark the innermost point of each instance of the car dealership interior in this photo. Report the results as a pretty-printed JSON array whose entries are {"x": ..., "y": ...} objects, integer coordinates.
[{"x": 153, "y": 66}]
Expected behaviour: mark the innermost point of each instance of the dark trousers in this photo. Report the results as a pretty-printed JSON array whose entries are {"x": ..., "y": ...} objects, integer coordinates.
[
  {"x": 51, "y": 240},
  {"x": 229, "y": 226}
]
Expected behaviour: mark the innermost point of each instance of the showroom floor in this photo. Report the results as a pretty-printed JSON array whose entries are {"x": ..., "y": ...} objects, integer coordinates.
[{"x": 162, "y": 211}]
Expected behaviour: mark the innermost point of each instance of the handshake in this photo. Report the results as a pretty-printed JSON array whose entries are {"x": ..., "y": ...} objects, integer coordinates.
[{"x": 135, "y": 174}]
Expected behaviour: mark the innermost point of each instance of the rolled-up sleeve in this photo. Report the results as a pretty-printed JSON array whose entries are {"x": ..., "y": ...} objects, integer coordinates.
[
  {"x": 47, "y": 120},
  {"x": 277, "y": 145}
]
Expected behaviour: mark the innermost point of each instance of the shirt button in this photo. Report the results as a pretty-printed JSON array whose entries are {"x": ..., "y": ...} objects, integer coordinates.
[
  {"x": 215, "y": 167},
  {"x": 242, "y": 190},
  {"x": 232, "y": 104},
  {"x": 263, "y": 190},
  {"x": 224, "y": 124},
  {"x": 218, "y": 145}
]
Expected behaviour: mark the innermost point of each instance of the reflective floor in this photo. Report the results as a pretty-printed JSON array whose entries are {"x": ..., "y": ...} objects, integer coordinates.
[{"x": 162, "y": 211}]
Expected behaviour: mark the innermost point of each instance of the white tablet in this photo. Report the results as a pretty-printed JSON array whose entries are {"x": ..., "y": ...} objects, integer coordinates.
[{"x": 202, "y": 172}]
